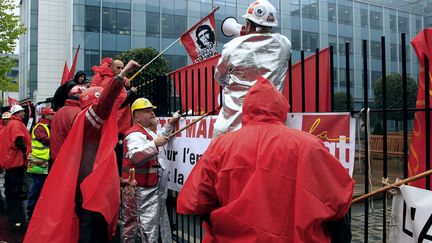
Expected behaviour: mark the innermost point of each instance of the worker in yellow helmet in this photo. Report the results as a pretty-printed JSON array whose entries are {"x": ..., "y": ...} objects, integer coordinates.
[{"x": 141, "y": 148}]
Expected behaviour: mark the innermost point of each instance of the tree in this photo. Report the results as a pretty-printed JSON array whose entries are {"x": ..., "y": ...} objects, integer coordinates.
[
  {"x": 340, "y": 102},
  {"x": 152, "y": 81},
  {"x": 159, "y": 67},
  {"x": 10, "y": 30},
  {"x": 395, "y": 96}
]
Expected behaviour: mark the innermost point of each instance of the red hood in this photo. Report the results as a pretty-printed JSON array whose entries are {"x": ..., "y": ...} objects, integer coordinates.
[{"x": 264, "y": 103}]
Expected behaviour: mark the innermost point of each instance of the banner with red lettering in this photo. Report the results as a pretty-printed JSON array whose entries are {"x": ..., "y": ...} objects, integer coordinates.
[
  {"x": 310, "y": 84},
  {"x": 200, "y": 41},
  {"x": 422, "y": 45},
  {"x": 337, "y": 130},
  {"x": 196, "y": 86}
]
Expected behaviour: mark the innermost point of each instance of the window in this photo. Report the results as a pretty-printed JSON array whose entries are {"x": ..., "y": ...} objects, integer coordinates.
[
  {"x": 332, "y": 39},
  {"x": 393, "y": 52},
  {"x": 295, "y": 8},
  {"x": 123, "y": 22},
  {"x": 109, "y": 17},
  {"x": 331, "y": 12},
  {"x": 152, "y": 24},
  {"x": 92, "y": 23},
  {"x": 295, "y": 40},
  {"x": 310, "y": 41},
  {"x": 342, "y": 41},
  {"x": 364, "y": 18},
  {"x": 310, "y": 9},
  {"x": 345, "y": 14},
  {"x": 173, "y": 25},
  {"x": 376, "y": 20},
  {"x": 375, "y": 49},
  {"x": 418, "y": 25},
  {"x": 393, "y": 22},
  {"x": 91, "y": 58},
  {"x": 403, "y": 24}
]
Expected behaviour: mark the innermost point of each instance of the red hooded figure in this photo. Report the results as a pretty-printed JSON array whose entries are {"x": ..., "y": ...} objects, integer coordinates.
[
  {"x": 266, "y": 182},
  {"x": 11, "y": 156},
  {"x": 102, "y": 78},
  {"x": 81, "y": 196}
]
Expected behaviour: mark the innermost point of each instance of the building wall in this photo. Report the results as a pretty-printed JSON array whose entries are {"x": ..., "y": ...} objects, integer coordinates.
[
  {"x": 108, "y": 27},
  {"x": 54, "y": 38}
]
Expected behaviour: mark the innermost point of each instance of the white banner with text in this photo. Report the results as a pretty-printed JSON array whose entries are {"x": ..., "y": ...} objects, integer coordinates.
[
  {"x": 336, "y": 130},
  {"x": 411, "y": 215}
]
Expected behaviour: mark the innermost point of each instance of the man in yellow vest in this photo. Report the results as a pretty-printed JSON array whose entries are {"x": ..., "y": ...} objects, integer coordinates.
[{"x": 39, "y": 159}]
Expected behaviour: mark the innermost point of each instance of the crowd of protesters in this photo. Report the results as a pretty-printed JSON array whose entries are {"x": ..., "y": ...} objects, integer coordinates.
[{"x": 94, "y": 154}]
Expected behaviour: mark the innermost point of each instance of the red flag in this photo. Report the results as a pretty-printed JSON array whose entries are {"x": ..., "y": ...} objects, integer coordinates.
[
  {"x": 65, "y": 74},
  {"x": 206, "y": 96},
  {"x": 29, "y": 108},
  {"x": 72, "y": 69},
  {"x": 200, "y": 40},
  {"x": 310, "y": 79},
  {"x": 12, "y": 101},
  {"x": 422, "y": 45},
  {"x": 54, "y": 219}
]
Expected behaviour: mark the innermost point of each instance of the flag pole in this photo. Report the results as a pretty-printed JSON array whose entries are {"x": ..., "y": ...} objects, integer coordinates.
[
  {"x": 143, "y": 67},
  {"x": 152, "y": 60},
  {"x": 190, "y": 124},
  {"x": 391, "y": 186}
]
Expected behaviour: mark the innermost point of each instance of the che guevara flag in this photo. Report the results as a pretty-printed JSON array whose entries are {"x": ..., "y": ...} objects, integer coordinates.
[
  {"x": 422, "y": 44},
  {"x": 200, "y": 40}
]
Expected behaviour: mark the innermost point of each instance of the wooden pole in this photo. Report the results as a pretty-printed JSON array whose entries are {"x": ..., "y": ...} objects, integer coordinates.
[
  {"x": 190, "y": 124},
  {"x": 396, "y": 184}
]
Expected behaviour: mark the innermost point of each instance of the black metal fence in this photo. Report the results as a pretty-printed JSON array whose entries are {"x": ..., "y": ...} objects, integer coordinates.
[{"x": 163, "y": 94}]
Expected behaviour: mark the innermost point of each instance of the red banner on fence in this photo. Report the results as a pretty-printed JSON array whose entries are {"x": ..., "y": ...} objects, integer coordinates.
[
  {"x": 422, "y": 44},
  {"x": 196, "y": 86},
  {"x": 195, "y": 100},
  {"x": 310, "y": 84}
]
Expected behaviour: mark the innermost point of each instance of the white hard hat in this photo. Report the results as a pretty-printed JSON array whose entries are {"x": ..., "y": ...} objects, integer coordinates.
[
  {"x": 16, "y": 108},
  {"x": 262, "y": 12}
]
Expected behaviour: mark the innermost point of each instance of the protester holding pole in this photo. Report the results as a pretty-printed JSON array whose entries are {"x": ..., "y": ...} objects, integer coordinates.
[{"x": 143, "y": 211}]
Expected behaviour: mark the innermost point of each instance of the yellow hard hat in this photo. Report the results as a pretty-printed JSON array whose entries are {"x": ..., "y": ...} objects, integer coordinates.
[{"x": 141, "y": 103}]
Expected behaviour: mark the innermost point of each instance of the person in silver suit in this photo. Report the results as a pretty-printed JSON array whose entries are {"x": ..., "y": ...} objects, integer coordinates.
[{"x": 258, "y": 53}]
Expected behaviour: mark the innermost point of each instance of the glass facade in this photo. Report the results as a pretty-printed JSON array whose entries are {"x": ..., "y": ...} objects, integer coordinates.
[{"x": 108, "y": 27}]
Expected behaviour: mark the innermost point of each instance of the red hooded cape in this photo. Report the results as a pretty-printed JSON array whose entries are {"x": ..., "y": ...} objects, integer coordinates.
[
  {"x": 102, "y": 78},
  {"x": 266, "y": 182},
  {"x": 11, "y": 157},
  {"x": 54, "y": 219}
]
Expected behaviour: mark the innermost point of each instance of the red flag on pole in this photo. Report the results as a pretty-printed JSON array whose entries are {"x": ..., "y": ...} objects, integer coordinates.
[
  {"x": 422, "y": 45},
  {"x": 200, "y": 40},
  {"x": 12, "y": 101},
  {"x": 65, "y": 74},
  {"x": 72, "y": 69}
]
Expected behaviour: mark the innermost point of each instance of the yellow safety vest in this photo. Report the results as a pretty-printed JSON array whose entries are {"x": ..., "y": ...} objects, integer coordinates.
[{"x": 39, "y": 150}]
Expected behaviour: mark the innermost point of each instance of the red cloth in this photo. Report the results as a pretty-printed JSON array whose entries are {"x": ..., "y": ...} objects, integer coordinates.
[
  {"x": 54, "y": 218},
  {"x": 61, "y": 124},
  {"x": 40, "y": 132},
  {"x": 103, "y": 76},
  {"x": 2, "y": 125},
  {"x": 12, "y": 157},
  {"x": 422, "y": 44},
  {"x": 266, "y": 182}
]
